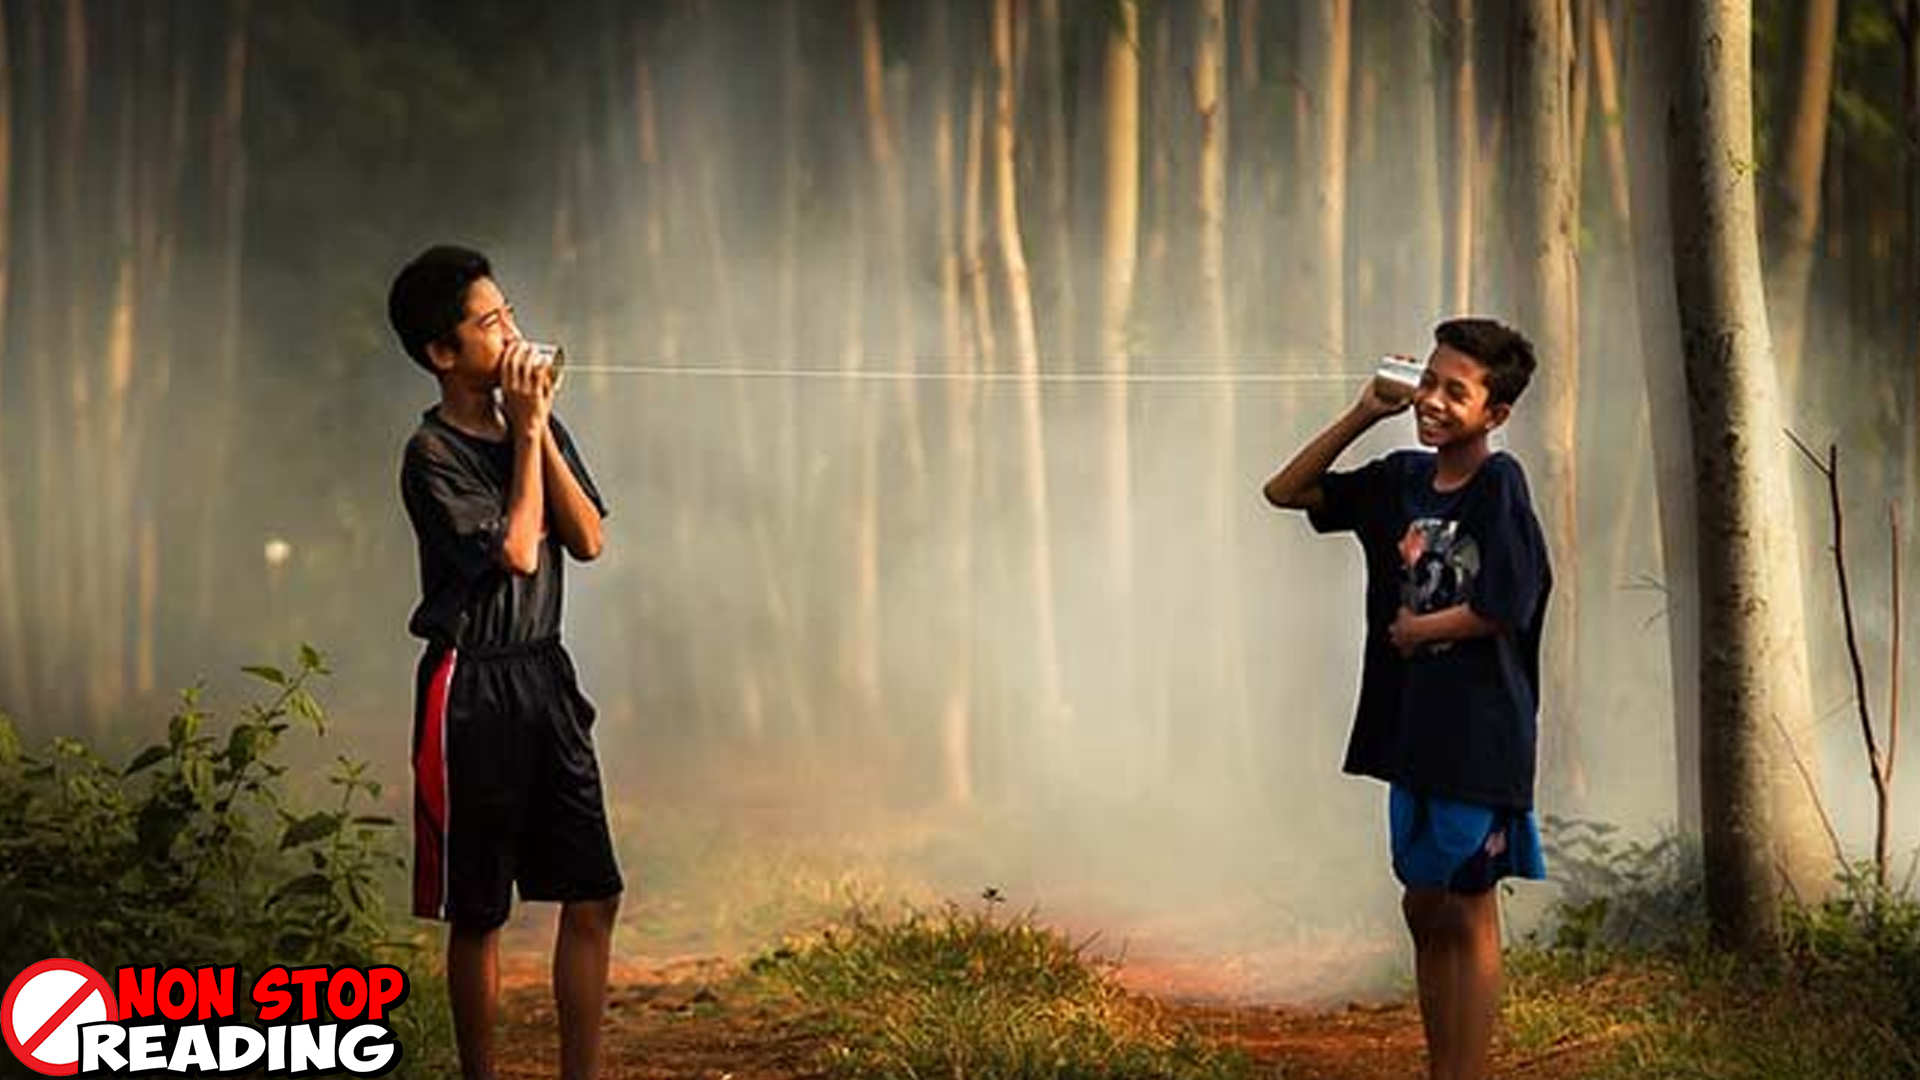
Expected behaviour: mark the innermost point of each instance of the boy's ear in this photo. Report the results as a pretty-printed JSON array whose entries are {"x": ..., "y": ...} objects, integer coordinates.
[
  {"x": 1500, "y": 412},
  {"x": 440, "y": 356}
]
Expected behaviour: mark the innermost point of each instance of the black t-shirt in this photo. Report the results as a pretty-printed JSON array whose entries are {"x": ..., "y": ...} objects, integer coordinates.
[
  {"x": 1457, "y": 719},
  {"x": 455, "y": 488}
]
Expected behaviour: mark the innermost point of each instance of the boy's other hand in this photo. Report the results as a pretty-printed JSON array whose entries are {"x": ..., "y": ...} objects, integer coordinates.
[
  {"x": 526, "y": 389},
  {"x": 1404, "y": 634}
]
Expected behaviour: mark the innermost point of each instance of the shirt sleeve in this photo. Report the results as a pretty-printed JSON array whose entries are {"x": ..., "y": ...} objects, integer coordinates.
[
  {"x": 1349, "y": 499},
  {"x": 456, "y": 514},
  {"x": 1513, "y": 558},
  {"x": 571, "y": 454}
]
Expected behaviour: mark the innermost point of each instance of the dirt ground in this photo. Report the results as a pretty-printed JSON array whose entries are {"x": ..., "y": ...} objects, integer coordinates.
[{"x": 688, "y": 1021}]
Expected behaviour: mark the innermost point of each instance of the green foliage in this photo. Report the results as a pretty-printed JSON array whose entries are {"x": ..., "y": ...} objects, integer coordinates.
[
  {"x": 193, "y": 853},
  {"x": 958, "y": 994},
  {"x": 1862, "y": 945},
  {"x": 1619, "y": 892},
  {"x": 1625, "y": 979}
]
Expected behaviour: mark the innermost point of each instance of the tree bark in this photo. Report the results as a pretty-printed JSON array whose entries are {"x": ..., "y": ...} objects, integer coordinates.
[
  {"x": 1326, "y": 38},
  {"x": 1544, "y": 205},
  {"x": 893, "y": 212},
  {"x": 1757, "y": 818},
  {"x": 1026, "y": 360},
  {"x": 1795, "y": 217},
  {"x": 956, "y": 711},
  {"x": 13, "y": 642},
  {"x": 1119, "y": 248},
  {"x": 1649, "y": 103},
  {"x": 1463, "y": 130},
  {"x": 229, "y": 170}
]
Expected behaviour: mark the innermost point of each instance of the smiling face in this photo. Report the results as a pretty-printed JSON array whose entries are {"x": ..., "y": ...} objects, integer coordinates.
[
  {"x": 1453, "y": 404},
  {"x": 472, "y": 353}
]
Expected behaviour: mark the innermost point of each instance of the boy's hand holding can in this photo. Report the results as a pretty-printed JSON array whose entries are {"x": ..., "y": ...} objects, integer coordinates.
[{"x": 1392, "y": 387}]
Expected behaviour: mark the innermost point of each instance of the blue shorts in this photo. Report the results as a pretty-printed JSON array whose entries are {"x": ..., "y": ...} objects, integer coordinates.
[{"x": 1459, "y": 846}]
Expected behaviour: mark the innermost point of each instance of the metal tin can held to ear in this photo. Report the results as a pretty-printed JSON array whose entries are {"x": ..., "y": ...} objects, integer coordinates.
[
  {"x": 1398, "y": 377},
  {"x": 549, "y": 353}
]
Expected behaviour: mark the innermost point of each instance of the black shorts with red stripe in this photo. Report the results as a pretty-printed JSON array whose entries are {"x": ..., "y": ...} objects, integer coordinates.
[{"x": 506, "y": 785}]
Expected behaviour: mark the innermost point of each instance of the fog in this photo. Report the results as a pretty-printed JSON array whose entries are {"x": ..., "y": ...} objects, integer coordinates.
[{"x": 815, "y": 638}]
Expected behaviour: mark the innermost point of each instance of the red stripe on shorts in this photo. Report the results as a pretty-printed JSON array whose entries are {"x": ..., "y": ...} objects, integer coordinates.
[{"x": 431, "y": 809}]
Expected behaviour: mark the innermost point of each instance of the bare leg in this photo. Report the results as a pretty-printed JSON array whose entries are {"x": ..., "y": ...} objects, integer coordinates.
[
  {"x": 473, "y": 988},
  {"x": 1476, "y": 994},
  {"x": 580, "y": 953},
  {"x": 1433, "y": 922}
]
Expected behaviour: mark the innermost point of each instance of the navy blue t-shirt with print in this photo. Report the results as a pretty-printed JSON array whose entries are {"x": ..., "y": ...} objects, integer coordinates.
[
  {"x": 1457, "y": 718},
  {"x": 455, "y": 486}
]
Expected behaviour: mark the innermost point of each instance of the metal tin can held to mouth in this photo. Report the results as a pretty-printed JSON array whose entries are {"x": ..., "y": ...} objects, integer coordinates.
[{"x": 549, "y": 353}]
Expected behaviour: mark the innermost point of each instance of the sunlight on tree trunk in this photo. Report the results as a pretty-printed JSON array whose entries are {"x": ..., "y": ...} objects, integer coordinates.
[
  {"x": 1544, "y": 207},
  {"x": 1026, "y": 361},
  {"x": 1758, "y": 825},
  {"x": 1794, "y": 221}
]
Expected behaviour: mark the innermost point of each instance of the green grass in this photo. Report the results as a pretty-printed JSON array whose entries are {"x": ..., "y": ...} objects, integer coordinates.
[
  {"x": 1842, "y": 1002},
  {"x": 958, "y": 994}
]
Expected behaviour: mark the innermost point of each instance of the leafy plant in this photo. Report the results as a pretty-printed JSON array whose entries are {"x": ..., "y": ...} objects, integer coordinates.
[{"x": 193, "y": 853}]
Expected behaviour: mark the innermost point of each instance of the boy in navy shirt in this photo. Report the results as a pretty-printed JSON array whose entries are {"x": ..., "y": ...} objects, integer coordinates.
[
  {"x": 1457, "y": 584},
  {"x": 507, "y": 790}
]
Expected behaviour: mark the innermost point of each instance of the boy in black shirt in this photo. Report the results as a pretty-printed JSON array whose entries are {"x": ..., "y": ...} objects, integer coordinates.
[
  {"x": 1457, "y": 584},
  {"x": 506, "y": 786}
]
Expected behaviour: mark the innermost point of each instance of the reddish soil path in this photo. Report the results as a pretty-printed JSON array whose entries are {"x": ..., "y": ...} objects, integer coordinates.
[{"x": 689, "y": 1021}]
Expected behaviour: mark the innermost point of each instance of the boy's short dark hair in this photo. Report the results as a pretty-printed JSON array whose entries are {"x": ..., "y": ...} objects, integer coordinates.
[
  {"x": 429, "y": 297},
  {"x": 1504, "y": 351}
]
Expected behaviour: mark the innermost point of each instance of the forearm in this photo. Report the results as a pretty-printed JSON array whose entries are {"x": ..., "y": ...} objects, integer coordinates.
[
  {"x": 1297, "y": 485},
  {"x": 1457, "y": 623},
  {"x": 575, "y": 519},
  {"x": 526, "y": 507}
]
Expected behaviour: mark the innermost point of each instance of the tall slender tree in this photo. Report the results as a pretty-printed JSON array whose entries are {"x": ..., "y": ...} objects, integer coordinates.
[
  {"x": 1757, "y": 819},
  {"x": 1026, "y": 362},
  {"x": 1544, "y": 212},
  {"x": 1794, "y": 224},
  {"x": 1325, "y": 64}
]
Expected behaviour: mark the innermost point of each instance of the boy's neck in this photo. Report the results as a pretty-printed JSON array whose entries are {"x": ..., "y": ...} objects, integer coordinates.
[
  {"x": 471, "y": 409},
  {"x": 1458, "y": 461}
]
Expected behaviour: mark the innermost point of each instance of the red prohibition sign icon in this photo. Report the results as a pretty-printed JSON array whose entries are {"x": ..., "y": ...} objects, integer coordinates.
[{"x": 43, "y": 1011}]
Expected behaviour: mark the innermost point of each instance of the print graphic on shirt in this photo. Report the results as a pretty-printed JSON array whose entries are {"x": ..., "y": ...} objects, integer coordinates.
[{"x": 1438, "y": 563}]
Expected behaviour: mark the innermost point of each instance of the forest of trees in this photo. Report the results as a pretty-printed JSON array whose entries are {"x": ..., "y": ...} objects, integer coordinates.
[{"x": 1133, "y": 251}]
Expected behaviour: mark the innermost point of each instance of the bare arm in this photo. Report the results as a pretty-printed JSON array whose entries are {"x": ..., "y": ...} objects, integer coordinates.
[
  {"x": 528, "y": 397},
  {"x": 1297, "y": 485},
  {"x": 575, "y": 519},
  {"x": 1457, "y": 623}
]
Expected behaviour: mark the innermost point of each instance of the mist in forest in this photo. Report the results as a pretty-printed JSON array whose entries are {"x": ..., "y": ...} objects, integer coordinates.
[{"x": 868, "y": 630}]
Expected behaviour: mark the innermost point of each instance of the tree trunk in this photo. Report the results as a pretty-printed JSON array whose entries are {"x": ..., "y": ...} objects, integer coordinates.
[
  {"x": 229, "y": 171},
  {"x": 1416, "y": 280},
  {"x": 1795, "y": 211},
  {"x": 1757, "y": 817},
  {"x": 1026, "y": 360},
  {"x": 1227, "y": 674},
  {"x": 1613, "y": 137},
  {"x": 956, "y": 711},
  {"x": 1056, "y": 185},
  {"x": 13, "y": 641},
  {"x": 893, "y": 212},
  {"x": 1119, "y": 246},
  {"x": 1649, "y": 103},
  {"x": 1463, "y": 131},
  {"x": 1546, "y": 304},
  {"x": 1326, "y": 38}
]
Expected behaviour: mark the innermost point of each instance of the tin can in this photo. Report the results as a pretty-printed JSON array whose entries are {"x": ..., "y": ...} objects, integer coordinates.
[
  {"x": 1397, "y": 378},
  {"x": 549, "y": 353}
]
